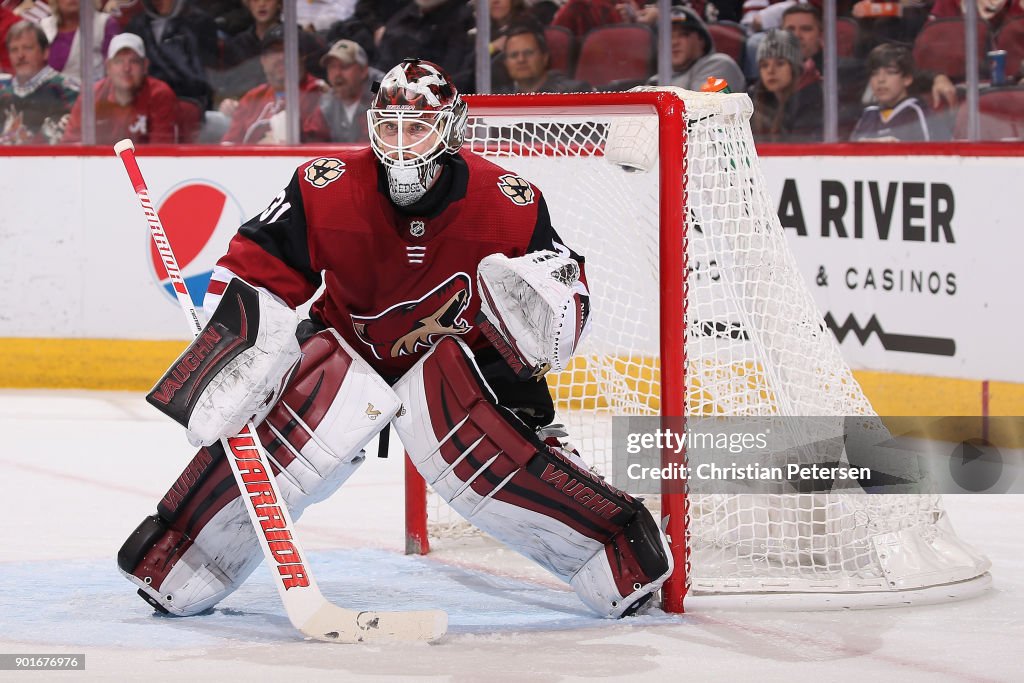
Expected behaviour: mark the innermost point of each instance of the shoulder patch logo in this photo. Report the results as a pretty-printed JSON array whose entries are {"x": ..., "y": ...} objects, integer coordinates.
[
  {"x": 516, "y": 189},
  {"x": 324, "y": 171}
]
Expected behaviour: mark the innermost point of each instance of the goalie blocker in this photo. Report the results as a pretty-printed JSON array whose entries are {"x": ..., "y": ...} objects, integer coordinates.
[
  {"x": 497, "y": 473},
  {"x": 235, "y": 370}
]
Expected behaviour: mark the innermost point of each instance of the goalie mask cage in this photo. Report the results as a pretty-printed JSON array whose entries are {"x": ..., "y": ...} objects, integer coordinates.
[{"x": 699, "y": 310}]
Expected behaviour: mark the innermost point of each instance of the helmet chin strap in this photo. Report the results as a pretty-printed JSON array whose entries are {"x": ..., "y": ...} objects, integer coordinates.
[{"x": 408, "y": 184}]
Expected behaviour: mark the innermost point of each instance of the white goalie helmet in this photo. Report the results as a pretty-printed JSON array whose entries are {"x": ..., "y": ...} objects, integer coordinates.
[{"x": 416, "y": 116}]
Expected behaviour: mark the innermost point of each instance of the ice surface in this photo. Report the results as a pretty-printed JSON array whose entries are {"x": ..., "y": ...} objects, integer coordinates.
[{"x": 81, "y": 470}]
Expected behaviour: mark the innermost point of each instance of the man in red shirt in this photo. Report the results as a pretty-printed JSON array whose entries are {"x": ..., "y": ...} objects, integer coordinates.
[
  {"x": 129, "y": 103},
  {"x": 259, "y": 118}
]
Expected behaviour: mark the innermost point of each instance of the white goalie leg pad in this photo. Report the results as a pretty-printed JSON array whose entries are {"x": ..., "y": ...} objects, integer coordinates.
[
  {"x": 201, "y": 546},
  {"x": 315, "y": 441},
  {"x": 495, "y": 472}
]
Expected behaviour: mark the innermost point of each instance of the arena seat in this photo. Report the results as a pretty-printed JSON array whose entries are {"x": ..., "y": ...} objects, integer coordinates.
[
  {"x": 1002, "y": 114},
  {"x": 940, "y": 47},
  {"x": 1011, "y": 38},
  {"x": 616, "y": 52},
  {"x": 561, "y": 45},
  {"x": 730, "y": 38}
]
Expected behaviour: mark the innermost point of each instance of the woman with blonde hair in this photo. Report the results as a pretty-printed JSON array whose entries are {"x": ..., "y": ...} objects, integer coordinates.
[{"x": 61, "y": 29}]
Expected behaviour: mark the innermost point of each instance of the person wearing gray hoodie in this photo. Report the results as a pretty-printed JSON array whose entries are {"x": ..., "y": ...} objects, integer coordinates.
[{"x": 694, "y": 58}]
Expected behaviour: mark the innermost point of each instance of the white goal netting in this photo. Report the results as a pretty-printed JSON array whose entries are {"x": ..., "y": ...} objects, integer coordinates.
[{"x": 755, "y": 343}]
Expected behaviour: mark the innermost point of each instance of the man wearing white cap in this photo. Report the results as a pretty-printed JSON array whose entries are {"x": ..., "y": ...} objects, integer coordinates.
[
  {"x": 344, "y": 107},
  {"x": 129, "y": 103}
]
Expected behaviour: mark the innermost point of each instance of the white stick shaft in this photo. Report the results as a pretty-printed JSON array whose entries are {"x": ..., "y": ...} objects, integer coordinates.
[{"x": 126, "y": 150}]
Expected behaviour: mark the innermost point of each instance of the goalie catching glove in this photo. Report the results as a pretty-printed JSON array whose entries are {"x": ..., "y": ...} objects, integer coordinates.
[
  {"x": 534, "y": 309},
  {"x": 235, "y": 370}
]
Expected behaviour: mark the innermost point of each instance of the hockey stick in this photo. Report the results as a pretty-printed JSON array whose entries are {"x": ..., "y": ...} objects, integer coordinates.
[{"x": 307, "y": 609}]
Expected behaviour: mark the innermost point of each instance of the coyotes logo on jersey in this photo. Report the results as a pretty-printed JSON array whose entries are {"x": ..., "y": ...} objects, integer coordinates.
[
  {"x": 324, "y": 171},
  {"x": 413, "y": 326},
  {"x": 516, "y": 189}
]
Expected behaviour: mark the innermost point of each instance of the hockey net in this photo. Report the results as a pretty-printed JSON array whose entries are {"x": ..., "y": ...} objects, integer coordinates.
[{"x": 699, "y": 310}]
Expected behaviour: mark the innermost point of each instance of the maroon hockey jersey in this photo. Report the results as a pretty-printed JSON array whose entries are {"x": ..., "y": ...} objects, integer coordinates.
[
  {"x": 396, "y": 281},
  {"x": 906, "y": 122}
]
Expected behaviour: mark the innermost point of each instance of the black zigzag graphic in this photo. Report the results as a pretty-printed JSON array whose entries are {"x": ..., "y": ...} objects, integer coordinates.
[{"x": 935, "y": 346}]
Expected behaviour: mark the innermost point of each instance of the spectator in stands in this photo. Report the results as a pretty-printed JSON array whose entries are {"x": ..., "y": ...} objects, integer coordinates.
[
  {"x": 129, "y": 103},
  {"x": 995, "y": 12},
  {"x": 897, "y": 116},
  {"x": 580, "y": 16},
  {"x": 805, "y": 22},
  {"x": 242, "y": 71},
  {"x": 762, "y": 15},
  {"x": 527, "y": 59},
  {"x": 181, "y": 42},
  {"x": 881, "y": 21},
  {"x": 7, "y": 20},
  {"x": 36, "y": 100},
  {"x": 374, "y": 14},
  {"x": 123, "y": 10},
  {"x": 356, "y": 31},
  {"x": 344, "y": 107},
  {"x": 724, "y": 10},
  {"x": 786, "y": 108},
  {"x": 758, "y": 17},
  {"x": 506, "y": 15},
  {"x": 694, "y": 58},
  {"x": 259, "y": 117},
  {"x": 436, "y": 31},
  {"x": 317, "y": 16},
  {"x": 231, "y": 17},
  {"x": 61, "y": 29},
  {"x": 641, "y": 12},
  {"x": 544, "y": 10},
  {"x": 32, "y": 10}
]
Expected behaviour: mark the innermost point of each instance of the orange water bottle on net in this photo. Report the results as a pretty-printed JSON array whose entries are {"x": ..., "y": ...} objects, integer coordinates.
[{"x": 714, "y": 84}]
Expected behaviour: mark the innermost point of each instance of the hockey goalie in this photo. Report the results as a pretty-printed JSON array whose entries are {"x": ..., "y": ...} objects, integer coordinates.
[{"x": 447, "y": 294}]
